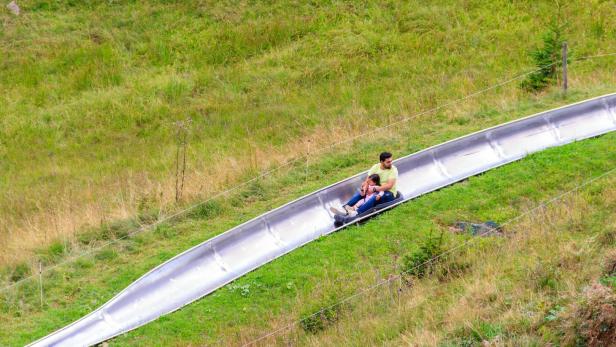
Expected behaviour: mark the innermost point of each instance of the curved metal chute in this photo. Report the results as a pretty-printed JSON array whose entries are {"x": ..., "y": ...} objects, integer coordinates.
[{"x": 218, "y": 261}]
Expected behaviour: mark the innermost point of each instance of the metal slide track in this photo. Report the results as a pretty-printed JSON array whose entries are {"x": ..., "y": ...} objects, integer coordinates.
[{"x": 218, "y": 261}]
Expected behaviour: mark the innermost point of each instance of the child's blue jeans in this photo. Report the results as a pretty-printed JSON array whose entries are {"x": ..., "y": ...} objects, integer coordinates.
[{"x": 387, "y": 197}]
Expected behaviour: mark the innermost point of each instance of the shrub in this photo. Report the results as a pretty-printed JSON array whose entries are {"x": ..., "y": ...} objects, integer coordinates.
[
  {"x": 319, "y": 321},
  {"x": 165, "y": 230},
  {"x": 52, "y": 253},
  {"x": 21, "y": 270},
  {"x": 592, "y": 320},
  {"x": 106, "y": 255},
  {"x": 419, "y": 263},
  {"x": 478, "y": 334},
  {"x": 547, "y": 59},
  {"x": 545, "y": 277},
  {"x": 109, "y": 231},
  {"x": 609, "y": 264},
  {"x": 207, "y": 210}
]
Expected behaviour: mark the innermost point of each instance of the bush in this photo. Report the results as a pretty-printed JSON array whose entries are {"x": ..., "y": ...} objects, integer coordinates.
[
  {"x": 316, "y": 322},
  {"x": 609, "y": 264},
  {"x": 207, "y": 210},
  {"x": 109, "y": 231},
  {"x": 547, "y": 58},
  {"x": 53, "y": 253},
  {"x": 419, "y": 263},
  {"x": 592, "y": 320},
  {"x": 106, "y": 255},
  {"x": 477, "y": 334},
  {"x": 165, "y": 231},
  {"x": 545, "y": 277},
  {"x": 20, "y": 271}
]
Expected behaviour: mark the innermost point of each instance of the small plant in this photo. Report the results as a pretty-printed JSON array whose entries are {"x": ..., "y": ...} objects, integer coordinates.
[
  {"x": 255, "y": 191},
  {"x": 207, "y": 210},
  {"x": 53, "y": 252},
  {"x": 592, "y": 320},
  {"x": 319, "y": 321},
  {"x": 476, "y": 334},
  {"x": 420, "y": 263},
  {"x": 244, "y": 289},
  {"x": 609, "y": 264},
  {"x": 553, "y": 313},
  {"x": 545, "y": 277},
  {"x": 166, "y": 231},
  {"x": 20, "y": 271},
  {"x": 548, "y": 59},
  {"x": 106, "y": 255}
]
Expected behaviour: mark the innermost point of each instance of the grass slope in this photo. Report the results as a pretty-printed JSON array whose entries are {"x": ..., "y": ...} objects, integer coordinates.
[
  {"x": 315, "y": 275},
  {"x": 90, "y": 91}
]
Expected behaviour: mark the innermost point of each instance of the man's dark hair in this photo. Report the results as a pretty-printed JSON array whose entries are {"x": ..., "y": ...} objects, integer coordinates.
[{"x": 384, "y": 155}]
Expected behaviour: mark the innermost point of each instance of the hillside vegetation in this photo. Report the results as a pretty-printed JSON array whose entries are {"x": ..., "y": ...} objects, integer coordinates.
[
  {"x": 91, "y": 92},
  {"x": 325, "y": 271}
]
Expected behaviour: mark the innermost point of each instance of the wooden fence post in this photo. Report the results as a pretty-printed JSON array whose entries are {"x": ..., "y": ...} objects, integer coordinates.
[
  {"x": 41, "y": 282},
  {"x": 565, "y": 84}
]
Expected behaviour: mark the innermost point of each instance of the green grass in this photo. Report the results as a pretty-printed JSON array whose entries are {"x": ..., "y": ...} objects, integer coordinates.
[
  {"x": 310, "y": 277},
  {"x": 90, "y": 90}
]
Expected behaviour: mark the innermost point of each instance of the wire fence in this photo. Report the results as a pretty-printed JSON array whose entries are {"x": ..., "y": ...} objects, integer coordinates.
[
  {"x": 464, "y": 244},
  {"x": 299, "y": 158}
]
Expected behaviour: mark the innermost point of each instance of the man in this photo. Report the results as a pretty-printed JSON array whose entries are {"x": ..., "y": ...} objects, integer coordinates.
[{"x": 388, "y": 174}]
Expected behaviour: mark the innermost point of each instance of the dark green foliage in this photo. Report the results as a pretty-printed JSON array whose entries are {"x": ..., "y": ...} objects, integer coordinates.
[
  {"x": 53, "y": 253},
  {"x": 207, "y": 210},
  {"x": 545, "y": 277},
  {"x": 166, "y": 231},
  {"x": 547, "y": 58},
  {"x": 84, "y": 263},
  {"x": 419, "y": 263},
  {"x": 316, "y": 322},
  {"x": 475, "y": 334},
  {"x": 147, "y": 210},
  {"x": 609, "y": 270},
  {"x": 109, "y": 231},
  {"x": 106, "y": 255},
  {"x": 255, "y": 191},
  {"x": 450, "y": 268},
  {"x": 20, "y": 271},
  {"x": 609, "y": 281}
]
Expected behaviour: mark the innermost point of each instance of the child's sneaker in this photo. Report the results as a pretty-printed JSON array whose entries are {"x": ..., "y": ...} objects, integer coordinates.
[
  {"x": 338, "y": 211},
  {"x": 348, "y": 209},
  {"x": 352, "y": 213}
]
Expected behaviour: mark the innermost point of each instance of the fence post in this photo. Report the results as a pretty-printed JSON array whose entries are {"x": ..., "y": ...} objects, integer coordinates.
[
  {"x": 41, "y": 282},
  {"x": 565, "y": 84}
]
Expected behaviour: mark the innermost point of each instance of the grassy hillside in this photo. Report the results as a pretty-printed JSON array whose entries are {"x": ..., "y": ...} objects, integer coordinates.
[
  {"x": 90, "y": 92},
  {"x": 329, "y": 269}
]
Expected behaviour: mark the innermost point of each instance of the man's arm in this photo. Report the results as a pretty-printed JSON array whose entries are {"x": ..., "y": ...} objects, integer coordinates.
[{"x": 387, "y": 186}]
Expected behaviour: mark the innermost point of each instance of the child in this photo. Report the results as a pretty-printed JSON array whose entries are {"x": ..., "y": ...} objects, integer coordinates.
[{"x": 373, "y": 181}]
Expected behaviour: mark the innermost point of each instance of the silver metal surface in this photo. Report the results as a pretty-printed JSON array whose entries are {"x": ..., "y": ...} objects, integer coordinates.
[{"x": 215, "y": 262}]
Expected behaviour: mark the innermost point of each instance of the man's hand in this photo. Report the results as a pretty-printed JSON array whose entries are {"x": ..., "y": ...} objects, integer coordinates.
[{"x": 387, "y": 186}]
